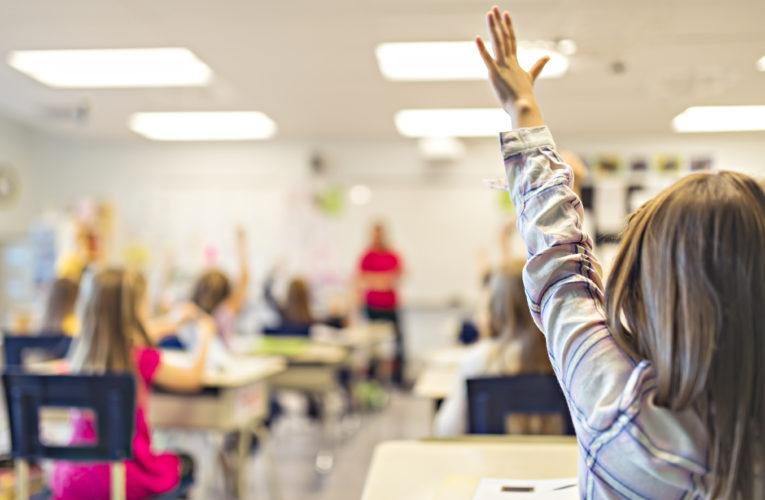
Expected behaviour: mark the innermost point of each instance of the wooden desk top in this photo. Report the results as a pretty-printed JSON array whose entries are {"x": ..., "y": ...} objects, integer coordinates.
[
  {"x": 436, "y": 382},
  {"x": 240, "y": 370},
  {"x": 451, "y": 469}
]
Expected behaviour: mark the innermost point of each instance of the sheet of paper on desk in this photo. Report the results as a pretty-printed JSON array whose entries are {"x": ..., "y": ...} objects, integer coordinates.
[{"x": 508, "y": 489}]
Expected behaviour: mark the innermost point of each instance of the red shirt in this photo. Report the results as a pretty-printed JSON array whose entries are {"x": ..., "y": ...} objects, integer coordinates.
[{"x": 380, "y": 261}]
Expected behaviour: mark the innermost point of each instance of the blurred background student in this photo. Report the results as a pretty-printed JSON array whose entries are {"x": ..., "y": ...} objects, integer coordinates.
[
  {"x": 215, "y": 295},
  {"x": 380, "y": 270},
  {"x": 295, "y": 311},
  {"x": 114, "y": 340},
  {"x": 60, "y": 314},
  {"x": 512, "y": 345}
]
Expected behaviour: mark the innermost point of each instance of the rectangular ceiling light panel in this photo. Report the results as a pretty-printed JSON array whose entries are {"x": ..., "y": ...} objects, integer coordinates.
[
  {"x": 432, "y": 61},
  {"x": 203, "y": 126},
  {"x": 452, "y": 122},
  {"x": 113, "y": 68},
  {"x": 720, "y": 119}
]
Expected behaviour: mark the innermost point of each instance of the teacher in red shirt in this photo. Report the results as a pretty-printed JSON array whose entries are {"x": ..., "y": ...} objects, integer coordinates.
[{"x": 379, "y": 272}]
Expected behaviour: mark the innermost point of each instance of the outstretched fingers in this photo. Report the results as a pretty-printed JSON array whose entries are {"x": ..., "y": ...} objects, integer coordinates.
[
  {"x": 506, "y": 46},
  {"x": 487, "y": 59},
  {"x": 538, "y": 67},
  {"x": 510, "y": 33},
  {"x": 496, "y": 36}
]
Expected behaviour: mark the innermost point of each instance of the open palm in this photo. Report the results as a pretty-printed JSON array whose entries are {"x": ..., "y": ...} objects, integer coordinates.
[{"x": 513, "y": 86}]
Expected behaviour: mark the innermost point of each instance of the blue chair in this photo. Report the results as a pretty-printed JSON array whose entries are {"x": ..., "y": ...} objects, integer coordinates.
[
  {"x": 14, "y": 346},
  {"x": 288, "y": 330},
  {"x": 111, "y": 397},
  {"x": 492, "y": 399}
]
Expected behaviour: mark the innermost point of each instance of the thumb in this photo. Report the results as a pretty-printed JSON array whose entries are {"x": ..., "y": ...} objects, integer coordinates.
[{"x": 538, "y": 67}]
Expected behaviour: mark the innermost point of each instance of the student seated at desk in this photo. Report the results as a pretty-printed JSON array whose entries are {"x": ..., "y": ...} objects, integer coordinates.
[
  {"x": 664, "y": 367},
  {"x": 513, "y": 346},
  {"x": 60, "y": 311},
  {"x": 295, "y": 312},
  {"x": 114, "y": 339},
  {"x": 215, "y": 295}
]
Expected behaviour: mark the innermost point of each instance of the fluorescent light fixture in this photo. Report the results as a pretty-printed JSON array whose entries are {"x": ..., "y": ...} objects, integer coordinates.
[
  {"x": 112, "y": 68},
  {"x": 452, "y": 122},
  {"x": 203, "y": 126},
  {"x": 360, "y": 194},
  {"x": 430, "y": 61},
  {"x": 761, "y": 64},
  {"x": 720, "y": 119}
]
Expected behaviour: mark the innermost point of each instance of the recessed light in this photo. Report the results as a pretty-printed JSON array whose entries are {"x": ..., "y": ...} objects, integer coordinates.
[
  {"x": 452, "y": 122},
  {"x": 203, "y": 126},
  {"x": 761, "y": 64},
  {"x": 431, "y": 61},
  {"x": 112, "y": 68},
  {"x": 720, "y": 119}
]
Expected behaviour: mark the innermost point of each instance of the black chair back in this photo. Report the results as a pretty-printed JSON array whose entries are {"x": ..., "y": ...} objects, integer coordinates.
[
  {"x": 492, "y": 399},
  {"x": 288, "y": 330},
  {"x": 111, "y": 397},
  {"x": 14, "y": 346}
]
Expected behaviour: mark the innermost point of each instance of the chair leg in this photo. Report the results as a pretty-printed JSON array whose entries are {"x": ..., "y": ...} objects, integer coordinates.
[
  {"x": 118, "y": 481},
  {"x": 22, "y": 479}
]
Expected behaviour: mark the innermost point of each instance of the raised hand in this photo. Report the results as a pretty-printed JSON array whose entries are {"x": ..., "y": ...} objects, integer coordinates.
[{"x": 513, "y": 86}]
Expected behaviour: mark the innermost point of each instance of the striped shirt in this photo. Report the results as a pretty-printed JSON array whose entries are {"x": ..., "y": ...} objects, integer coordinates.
[{"x": 628, "y": 446}]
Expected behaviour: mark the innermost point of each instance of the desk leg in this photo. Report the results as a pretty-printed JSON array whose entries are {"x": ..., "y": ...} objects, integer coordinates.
[
  {"x": 325, "y": 457},
  {"x": 269, "y": 460},
  {"x": 214, "y": 459},
  {"x": 245, "y": 445}
]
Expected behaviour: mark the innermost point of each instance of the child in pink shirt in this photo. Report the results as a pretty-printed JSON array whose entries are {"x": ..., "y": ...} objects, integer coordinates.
[{"x": 113, "y": 339}]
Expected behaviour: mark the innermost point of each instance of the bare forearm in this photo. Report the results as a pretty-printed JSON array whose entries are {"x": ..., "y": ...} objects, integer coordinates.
[{"x": 526, "y": 113}]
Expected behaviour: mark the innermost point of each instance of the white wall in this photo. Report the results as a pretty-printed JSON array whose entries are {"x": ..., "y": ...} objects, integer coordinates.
[
  {"x": 14, "y": 152},
  {"x": 184, "y": 196}
]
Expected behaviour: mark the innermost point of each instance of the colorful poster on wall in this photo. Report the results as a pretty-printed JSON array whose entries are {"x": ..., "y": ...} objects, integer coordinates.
[
  {"x": 609, "y": 164},
  {"x": 639, "y": 164},
  {"x": 701, "y": 163},
  {"x": 668, "y": 163}
]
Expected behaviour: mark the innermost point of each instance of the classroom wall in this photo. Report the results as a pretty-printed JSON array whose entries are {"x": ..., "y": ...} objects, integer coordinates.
[
  {"x": 185, "y": 198},
  {"x": 15, "y": 142}
]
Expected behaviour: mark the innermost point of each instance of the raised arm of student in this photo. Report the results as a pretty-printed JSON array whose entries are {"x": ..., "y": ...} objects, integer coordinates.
[
  {"x": 188, "y": 378},
  {"x": 239, "y": 291},
  {"x": 168, "y": 324},
  {"x": 562, "y": 277}
]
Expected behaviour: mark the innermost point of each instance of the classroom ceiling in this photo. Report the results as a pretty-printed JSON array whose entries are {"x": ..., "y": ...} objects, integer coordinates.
[{"x": 311, "y": 66}]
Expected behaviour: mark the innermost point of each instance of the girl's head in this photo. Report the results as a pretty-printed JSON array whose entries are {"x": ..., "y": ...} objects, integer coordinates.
[
  {"x": 510, "y": 320},
  {"x": 687, "y": 293},
  {"x": 61, "y": 304},
  {"x": 211, "y": 290},
  {"x": 112, "y": 323},
  {"x": 298, "y": 309}
]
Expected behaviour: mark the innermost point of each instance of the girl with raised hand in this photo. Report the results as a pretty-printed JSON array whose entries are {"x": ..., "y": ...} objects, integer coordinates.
[
  {"x": 113, "y": 339},
  {"x": 664, "y": 370}
]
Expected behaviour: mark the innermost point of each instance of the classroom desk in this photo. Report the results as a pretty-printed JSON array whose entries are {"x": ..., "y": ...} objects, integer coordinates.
[
  {"x": 234, "y": 399},
  {"x": 361, "y": 336},
  {"x": 451, "y": 469},
  {"x": 436, "y": 380},
  {"x": 314, "y": 369},
  {"x": 447, "y": 356}
]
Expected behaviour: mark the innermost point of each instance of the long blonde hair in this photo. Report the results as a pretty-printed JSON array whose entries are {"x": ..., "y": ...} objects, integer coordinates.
[
  {"x": 110, "y": 324},
  {"x": 687, "y": 293}
]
